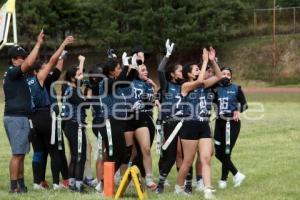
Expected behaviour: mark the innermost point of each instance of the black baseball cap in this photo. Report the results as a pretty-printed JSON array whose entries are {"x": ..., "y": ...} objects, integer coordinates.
[{"x": 17, "y": 51}]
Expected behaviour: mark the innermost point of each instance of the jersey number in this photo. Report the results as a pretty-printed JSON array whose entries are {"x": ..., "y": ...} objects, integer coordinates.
[
  {"x": 137, "y": 93},
  {"x": 223, "y": 103}
]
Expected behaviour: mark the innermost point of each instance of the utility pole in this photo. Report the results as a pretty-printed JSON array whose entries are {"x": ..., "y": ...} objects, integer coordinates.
[
  {"x": 274, "y": 42},
  {"x": 294, "y": 15},
  {"x": 254, "y": 21}
]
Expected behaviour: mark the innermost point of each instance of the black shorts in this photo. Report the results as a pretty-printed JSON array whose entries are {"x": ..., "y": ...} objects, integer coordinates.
[
  {"x": 138, "y": 121},
  {"x": 194, "y": 130},
  {"x": 168, "y": 127}
]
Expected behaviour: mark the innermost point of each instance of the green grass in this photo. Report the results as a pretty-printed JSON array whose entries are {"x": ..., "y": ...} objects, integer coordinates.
[{"x": 267, "y": 151}]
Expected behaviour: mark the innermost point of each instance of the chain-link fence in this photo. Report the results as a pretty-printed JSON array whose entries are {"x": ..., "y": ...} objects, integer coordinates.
[{"x": 287, "y": 21}]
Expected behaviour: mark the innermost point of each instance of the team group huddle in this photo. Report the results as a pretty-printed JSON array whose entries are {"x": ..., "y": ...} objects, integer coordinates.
[{"x": 122, "y": 98}]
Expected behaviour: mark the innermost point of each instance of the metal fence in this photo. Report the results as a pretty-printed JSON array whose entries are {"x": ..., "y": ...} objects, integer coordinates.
[{"x": 287, "y": 20}]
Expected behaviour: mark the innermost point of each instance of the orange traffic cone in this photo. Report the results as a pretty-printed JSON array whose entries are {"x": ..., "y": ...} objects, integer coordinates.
[{"x": 109, "y": 184}]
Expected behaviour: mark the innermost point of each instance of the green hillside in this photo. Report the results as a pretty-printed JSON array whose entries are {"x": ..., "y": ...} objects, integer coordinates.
[{"x": 251, "y": 59}]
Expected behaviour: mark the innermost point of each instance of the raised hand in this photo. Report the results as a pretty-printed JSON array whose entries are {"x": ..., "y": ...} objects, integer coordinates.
[
  {"x": 40, "y": 38},
  {"x": 81, "y": 63},
  {"x": 125, "y": 59},
  {"x": 212, "y": 54},
  {"x": 205, "y": 55},
  {"x": 151, "y": 82},
  {"x": 68, "y": 40},
  {"x": 133, "y": 61},
  {"x": 140, "y": 56},
  {"x": 81, "y": 58},
  {"x": 169, "y": 48},
  {"x": 63, "y": 55},
  {"x": 111, "y": 53}
]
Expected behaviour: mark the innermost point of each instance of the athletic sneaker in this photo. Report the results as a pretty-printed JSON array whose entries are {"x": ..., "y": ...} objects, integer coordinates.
[
  {"x": 200, "y": 185},
  {"x": 88, "y": 181},
  {"x": 65, "y": 183},
  {"x": 194, "y": 184},
  {"x": 80, "y": 189},
  {"x": 167, "y": 184},
  {"x": 57, "y": 186},
  {"x": 38, "y": 187},
  {"x": 44, "y": 184},
  {"x": 208, "y": 193},
  {"x": 160, "y": 188},
  {"x": 188, "y": 188},
  {"x": 238, "y": 179},
  {"x": 150, "y": 183},
  {"x": 72, "y": 188},
  {"x": 95, "y": 182},
  {"x": 179, "y": 190},
  {"x": 99, "y": 187},
  {"x": 222, "y": 184}
]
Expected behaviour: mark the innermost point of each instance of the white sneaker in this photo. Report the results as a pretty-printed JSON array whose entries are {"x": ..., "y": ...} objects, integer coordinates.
[
  {"x": 194, "y": 183},
  {"x": 94, "y": 183},
  {"x": 150, "y": 183},
  {"x": 208, "y": 193},
  {"x": 99, "y": 187},
  {"x": 200, "y": 185},
  {"x": 57, "y": 186},
  {"x": 238, "y": 179},
  {"x": 167, "y": 184},
  {"x": 179, "y": 190},
  {"x": 38, "y": 187},
  {"x": 222, "y": 184}
]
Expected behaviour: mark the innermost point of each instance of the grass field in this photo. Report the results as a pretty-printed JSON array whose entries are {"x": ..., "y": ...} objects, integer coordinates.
[{"x": 267, "y": 152}]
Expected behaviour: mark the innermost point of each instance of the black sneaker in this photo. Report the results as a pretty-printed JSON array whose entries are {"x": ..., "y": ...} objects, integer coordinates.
[
  {"x": 188, "y": 188},
  {"x": 160, "y": 188},
  {"x": 72, "y": 188},
  {"x": 23, "y": 189},
  {"x": 80, "y": 189}
]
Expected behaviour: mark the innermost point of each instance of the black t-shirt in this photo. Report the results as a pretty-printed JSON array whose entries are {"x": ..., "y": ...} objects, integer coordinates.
[{"x": 17, "y": 94}]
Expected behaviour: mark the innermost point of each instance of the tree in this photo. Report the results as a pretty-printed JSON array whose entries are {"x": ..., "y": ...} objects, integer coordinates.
[{"x": 121, "y": 24}]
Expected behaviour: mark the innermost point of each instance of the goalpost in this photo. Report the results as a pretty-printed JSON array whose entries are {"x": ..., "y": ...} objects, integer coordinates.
[{"x": 8, "y": 12}]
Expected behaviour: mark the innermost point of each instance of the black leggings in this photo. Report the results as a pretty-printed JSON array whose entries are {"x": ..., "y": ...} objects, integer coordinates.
[
  {"x": 118, "y": 139},
  {"x": 138, "y": 160},
  {"x": 40, "y": 138},
  {"x": 76, "y": 166},
  {"x": 168, "y": 157},
  {"x": 225, "y": 159}
]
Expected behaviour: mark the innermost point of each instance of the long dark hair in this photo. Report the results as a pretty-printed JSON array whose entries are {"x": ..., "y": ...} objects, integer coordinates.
[
  {"x": 187, "y": 68},
  {"x": 70, "y": 73},
  {"x": 110, "y": 66},
  {"x": 96, "y": 69},
  {"x": 171, "y": 69}
]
